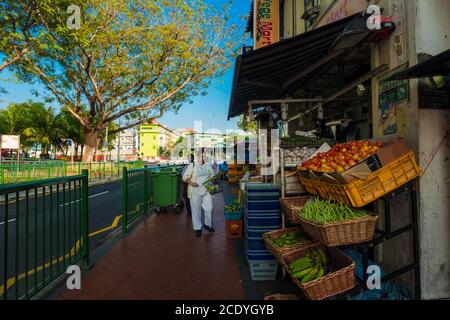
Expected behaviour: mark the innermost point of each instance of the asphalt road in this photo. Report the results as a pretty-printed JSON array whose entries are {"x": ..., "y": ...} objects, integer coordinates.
[{"x": 104, "y": 213}]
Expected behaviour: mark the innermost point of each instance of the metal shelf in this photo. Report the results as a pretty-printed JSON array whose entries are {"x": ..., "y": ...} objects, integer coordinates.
[{"x": 387, "y": 234}]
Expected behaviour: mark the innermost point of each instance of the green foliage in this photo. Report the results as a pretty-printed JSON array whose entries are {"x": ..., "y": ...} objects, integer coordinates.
[
  {"x": 131, "y": 60},
  {"x": 246, "y": 125}
]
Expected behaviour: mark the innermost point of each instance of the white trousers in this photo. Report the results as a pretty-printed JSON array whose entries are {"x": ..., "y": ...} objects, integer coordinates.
[{"x": 197, "y": 203}]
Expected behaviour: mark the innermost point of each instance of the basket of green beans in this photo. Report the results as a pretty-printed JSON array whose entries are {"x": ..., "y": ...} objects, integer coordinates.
[{"x": 335, "y": 224}]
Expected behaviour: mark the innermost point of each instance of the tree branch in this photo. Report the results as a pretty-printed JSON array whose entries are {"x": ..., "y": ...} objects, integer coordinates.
[
  {"x": 16, "y": 58},
  {"x": 146, "y": 106}
]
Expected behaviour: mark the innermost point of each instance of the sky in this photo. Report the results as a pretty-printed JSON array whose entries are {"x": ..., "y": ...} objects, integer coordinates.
[{"x": 211, "y": 109}]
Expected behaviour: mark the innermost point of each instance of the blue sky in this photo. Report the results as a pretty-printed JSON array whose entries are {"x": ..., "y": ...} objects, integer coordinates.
[{"x": 210, "y": 109}]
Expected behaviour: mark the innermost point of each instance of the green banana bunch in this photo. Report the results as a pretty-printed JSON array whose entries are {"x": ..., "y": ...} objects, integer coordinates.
[
  {"x": 290, "y": 239},
  {"x": 310, "y": 267}
]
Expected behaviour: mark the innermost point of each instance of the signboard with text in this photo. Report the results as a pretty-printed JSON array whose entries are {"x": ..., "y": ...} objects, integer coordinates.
[
  {"x": 10, "y": 142},
  {"x": 392, "y": 93},
  {"x": 267, "y": 17}
]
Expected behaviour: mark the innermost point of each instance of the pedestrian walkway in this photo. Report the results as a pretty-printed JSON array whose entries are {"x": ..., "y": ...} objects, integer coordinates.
[{"x": 163, "y": 259}]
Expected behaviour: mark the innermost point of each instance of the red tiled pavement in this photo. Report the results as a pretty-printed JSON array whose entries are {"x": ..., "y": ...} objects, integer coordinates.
[{"x": 163, "y": 259}]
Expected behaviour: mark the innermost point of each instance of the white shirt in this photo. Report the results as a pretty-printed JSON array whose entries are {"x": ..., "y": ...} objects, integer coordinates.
[{"x": 199, "y": 174}]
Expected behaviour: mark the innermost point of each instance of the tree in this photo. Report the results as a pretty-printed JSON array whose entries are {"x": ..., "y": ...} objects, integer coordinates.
[
  {"x": 68, "y": 128},
  {"x": 40, "y": 125},
  {"x": 130, "y": 59},
  {"x": 18, "y": 19},
  {"x": 32, "y": 121}
]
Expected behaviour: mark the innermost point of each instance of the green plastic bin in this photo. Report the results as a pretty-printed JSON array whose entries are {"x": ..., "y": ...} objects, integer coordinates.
[{"x": 166, "y": 189}]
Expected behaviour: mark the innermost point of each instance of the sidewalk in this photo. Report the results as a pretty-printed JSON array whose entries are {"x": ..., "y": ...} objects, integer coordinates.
[{"x": 163, "y": 259}]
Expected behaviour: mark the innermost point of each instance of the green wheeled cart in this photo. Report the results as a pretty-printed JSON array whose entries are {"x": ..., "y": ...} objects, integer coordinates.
[{"x": 166, "y": 188}]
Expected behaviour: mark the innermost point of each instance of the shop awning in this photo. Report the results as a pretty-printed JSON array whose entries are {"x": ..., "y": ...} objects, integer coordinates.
[
  {"x": 270, "y": 72},
  {"x": 436, "y": 66}
]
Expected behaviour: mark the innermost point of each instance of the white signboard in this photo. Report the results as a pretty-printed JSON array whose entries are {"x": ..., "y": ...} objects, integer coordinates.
[{"x": 10, "y": 142}]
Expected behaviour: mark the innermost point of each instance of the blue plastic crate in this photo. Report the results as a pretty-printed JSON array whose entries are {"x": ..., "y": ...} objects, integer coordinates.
[
  {"x": 255, "y": 196},
  {"x": 257, "y": 232},
  {"x": 254, "y": 243},
  {"x": 233, "y": 215},
  {"x": 261, "y": 212},
  {"x": 268, "y": 222},
  {"x": 268, "y": 205},
  {"x": 263, "y": 270},
  {"x": 258, "y": 255},
  {"x": 260, "y": 186}
]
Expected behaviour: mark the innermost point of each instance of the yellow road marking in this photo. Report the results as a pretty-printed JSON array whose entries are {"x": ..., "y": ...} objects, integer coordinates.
[
  {"x": 11, "y": 281},
  {"x": 114, "y": 225}
]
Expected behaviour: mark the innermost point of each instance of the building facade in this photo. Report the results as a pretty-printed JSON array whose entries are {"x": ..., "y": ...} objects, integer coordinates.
[
  {"x": 155, "y": 141},
  {"x": 358, "y": 71}
]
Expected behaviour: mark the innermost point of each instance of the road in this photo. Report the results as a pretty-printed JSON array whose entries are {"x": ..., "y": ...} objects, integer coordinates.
[{"x": 104, "y": 217}]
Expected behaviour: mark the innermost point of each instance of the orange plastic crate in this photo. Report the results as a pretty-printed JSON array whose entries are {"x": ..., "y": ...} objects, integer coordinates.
[
  {"x": 234, "y": 229},
  {"x": 362, "y": 192}
]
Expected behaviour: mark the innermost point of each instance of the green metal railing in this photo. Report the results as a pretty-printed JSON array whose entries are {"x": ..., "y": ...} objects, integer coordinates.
[
  {"x": 137, "y": 194},
  {"x": 43, "y": 229},
  {"x": 13, "y": 172}
]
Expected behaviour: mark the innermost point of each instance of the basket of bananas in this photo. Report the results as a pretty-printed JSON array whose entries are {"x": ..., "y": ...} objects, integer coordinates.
[
  {"x": 281, "y": 242},
  {"x": 320, "y": 271}
]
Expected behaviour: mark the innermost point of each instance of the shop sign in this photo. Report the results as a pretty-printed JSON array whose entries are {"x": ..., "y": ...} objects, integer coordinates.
[
  {"x": 10, "y": 142},
  {"x": 266, "y": 29},
  {"x": 395, "y": 91},
  {"x": 391, "y": 94},
  {"x": 434, "y": 93},
  {"x": 341, "y": 9}
]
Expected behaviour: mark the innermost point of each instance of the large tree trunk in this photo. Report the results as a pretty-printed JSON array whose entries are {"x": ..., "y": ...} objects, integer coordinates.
[{"x": 90, "y": 144}]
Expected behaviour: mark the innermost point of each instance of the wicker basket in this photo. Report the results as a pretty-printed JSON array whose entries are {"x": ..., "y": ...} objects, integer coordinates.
[
  {"x": 290, "y": 207},
  {"x": 339, "y": 279},
  {"x": 280, "y": 252},
  {"x": 341, "y": 233}
]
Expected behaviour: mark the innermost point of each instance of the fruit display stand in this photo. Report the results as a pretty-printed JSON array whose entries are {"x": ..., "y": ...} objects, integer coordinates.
[
  {"x": 362, "y": 192},
  {"x": 396, "y": 178},
  {"x": 386, "y": 233}
]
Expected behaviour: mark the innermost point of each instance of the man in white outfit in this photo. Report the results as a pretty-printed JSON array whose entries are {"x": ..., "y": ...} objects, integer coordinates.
[{"x": 196, "y": 174}]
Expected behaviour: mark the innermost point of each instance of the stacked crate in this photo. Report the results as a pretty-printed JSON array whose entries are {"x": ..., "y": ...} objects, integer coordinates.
[
  {"x": 235, "y": 172},
  {"x": 261, "y": 215}
]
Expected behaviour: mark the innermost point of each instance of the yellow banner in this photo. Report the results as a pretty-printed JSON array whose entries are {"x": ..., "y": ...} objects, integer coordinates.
[{"x": 267, "y": 17}]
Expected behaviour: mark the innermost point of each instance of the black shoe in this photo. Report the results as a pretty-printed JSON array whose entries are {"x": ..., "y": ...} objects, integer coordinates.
[
  {"x": 198, "y": 233},
  {"x": 210, "y": 229}
]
